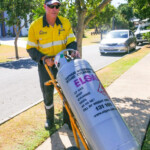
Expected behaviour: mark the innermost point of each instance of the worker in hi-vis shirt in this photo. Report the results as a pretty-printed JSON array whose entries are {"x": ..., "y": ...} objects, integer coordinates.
[{"x": 47, "y": 36}]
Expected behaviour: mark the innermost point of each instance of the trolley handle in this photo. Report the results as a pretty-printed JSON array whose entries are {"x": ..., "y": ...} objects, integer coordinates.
[
  {"x": 63, "y": 57},
  {"x": 69, "y": 54},
  {"x": 53, "y": 57}
]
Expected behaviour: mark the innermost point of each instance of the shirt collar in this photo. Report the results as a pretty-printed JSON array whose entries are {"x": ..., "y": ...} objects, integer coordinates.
[{"x": 45, "y": 23}]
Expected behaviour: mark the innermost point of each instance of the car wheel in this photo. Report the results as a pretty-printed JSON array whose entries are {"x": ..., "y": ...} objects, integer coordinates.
[
  {"x": 134, "y": 48},
  {"x": 102, "y": 53},
  {"x": 128, "y": 51},
  {"x": 140, "y": 43}
]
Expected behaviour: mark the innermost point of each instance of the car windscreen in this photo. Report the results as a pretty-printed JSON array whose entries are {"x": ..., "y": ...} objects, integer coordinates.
[{"x": 121, "y": 34}]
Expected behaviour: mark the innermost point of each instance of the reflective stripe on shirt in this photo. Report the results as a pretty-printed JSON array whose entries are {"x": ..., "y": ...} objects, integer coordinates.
[
  {"x": 52, "y": 44},
  {"x": 55, "y": 43},
  {"x": 32, "y": 44}
]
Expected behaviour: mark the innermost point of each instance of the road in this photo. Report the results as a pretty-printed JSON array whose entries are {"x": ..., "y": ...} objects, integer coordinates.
[{"x": 19, "y": 82}]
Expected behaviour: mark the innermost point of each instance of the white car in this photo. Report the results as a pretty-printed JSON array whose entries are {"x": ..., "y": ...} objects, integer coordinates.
[
  {"x": 118, "y": 41},
  {"x": 139, "y": 33}
]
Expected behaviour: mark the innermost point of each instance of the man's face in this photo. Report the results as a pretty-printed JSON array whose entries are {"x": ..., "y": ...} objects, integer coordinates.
[{"x": 52, "y": 10}]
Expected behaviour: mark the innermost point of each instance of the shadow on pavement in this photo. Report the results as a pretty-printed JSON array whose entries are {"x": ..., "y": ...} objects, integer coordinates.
[
  {"x": 113, "y": 54},
  {"x": 20, "y": 64},
  {"x": 136, "y": 113},
  {"x": 63, "y": 139}
]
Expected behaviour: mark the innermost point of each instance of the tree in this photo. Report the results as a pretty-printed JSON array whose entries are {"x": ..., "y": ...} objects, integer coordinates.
[
  {"x": 2, "y": 18},
  {"x": 86, "y": 11},
  {"x": 141, "y": 8},
  {"x": 2, "y": 21},
  {"x": 17, "y": 11},
  {"x": 126, "y": 11},
  {"x": 120, "y": 22},
  {"x": 123, "y": 16},
  {"x": 104, "y": 18}
]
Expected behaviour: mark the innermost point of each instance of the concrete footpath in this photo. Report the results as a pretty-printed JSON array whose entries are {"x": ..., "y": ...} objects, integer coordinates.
[{"x": 131, "y": 95}]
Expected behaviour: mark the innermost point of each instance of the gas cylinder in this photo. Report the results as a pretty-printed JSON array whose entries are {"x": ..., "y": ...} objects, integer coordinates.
[{"x": 98, "y": 118}]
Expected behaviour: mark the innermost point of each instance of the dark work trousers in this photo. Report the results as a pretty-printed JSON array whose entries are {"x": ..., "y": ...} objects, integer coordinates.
[{"x": 48, "y": 92}]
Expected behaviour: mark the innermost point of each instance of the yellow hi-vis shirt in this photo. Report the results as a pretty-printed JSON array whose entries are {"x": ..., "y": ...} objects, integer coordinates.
[{"x": 47, "y": 39}]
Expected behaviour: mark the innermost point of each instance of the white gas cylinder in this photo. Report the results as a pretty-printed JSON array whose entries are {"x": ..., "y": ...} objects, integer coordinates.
[{"x": 96, "y": 114}]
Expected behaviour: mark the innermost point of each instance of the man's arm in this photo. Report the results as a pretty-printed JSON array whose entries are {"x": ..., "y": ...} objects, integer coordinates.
[
  {"x": 72, "y": 45},
  {"x": 32, "y": 45},
  {"x": 35, "y": 54}
]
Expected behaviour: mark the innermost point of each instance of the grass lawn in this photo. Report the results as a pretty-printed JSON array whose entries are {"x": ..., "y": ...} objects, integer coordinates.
[
  {"x": 26, "y": 131},
  {"x": 7, "y": 53}
]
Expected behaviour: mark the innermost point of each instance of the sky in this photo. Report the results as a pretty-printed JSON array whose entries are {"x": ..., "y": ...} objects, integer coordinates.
[{"x": 116, "y": 3}]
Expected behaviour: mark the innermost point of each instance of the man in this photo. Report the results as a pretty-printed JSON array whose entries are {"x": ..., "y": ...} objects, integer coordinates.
[{"x": 47, "y": 36}]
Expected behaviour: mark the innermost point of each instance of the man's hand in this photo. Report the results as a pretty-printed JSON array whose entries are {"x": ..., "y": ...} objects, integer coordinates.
[
  {"x": 48, "y": 61},
  {"x": 75, "y": 54}
]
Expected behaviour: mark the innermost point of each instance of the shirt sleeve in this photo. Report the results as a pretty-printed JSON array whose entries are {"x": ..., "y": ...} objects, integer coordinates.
[
  {"x": 35, "y": 54},
  {"x": 32, "y": 45},
  {"x": 72, "y": 45}
]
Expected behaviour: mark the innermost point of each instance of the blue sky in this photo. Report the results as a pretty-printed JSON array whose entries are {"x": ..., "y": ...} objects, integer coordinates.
[{"x": 116, "y": 3}]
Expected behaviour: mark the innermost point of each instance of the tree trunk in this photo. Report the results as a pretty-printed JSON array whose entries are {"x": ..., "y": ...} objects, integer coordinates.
[
  {"x": 16, "y": 47},
  {"x": 82, "y": 21},
  {"x": 16, "y": 39},
  {"x": 3, "y": 25},
  {"x": 17, "y": 32},
  {"x": 80, "y": 29}
]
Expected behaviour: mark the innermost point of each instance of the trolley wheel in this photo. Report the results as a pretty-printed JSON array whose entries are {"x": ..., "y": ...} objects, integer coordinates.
[{"x": 72, "y": 148}]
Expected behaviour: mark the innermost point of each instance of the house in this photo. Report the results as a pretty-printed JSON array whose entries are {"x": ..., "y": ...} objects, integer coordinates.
[{"x": 6, "y": 31}]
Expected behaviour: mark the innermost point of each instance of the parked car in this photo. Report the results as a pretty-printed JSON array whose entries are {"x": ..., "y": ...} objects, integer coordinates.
[
  {"x": 140, "y": 31},
  {"x": 118, "y": 41}
]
